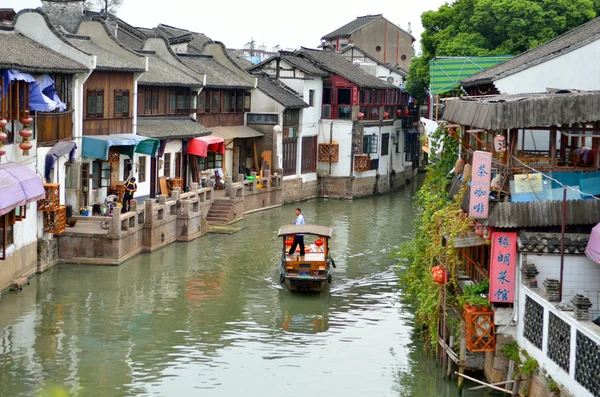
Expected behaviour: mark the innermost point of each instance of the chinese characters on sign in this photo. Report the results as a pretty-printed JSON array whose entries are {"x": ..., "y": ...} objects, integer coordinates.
[
  {"x": 502, "y": 267},
  {"x": 480, "y": 185}
]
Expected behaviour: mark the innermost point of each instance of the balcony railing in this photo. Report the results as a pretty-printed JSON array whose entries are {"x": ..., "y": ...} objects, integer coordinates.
[{"x": 52, "y": 127}]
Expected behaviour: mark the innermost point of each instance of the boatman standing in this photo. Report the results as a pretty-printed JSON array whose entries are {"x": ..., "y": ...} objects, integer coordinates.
[{"x": 298, "y": 238}]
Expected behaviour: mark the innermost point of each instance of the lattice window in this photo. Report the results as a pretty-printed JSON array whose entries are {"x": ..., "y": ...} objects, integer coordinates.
[
  {"x": 559, "y": 342},
  {"x": 533, "y": 325},
  {"x": 587, "y": 364},
  {"x": 480, "y": 330},
  {"x": 52, "y": 200},
  {"x": 329, "y": 152},
  {"x": 362, "y": 163},
  {"x": 55, "y": 222}
]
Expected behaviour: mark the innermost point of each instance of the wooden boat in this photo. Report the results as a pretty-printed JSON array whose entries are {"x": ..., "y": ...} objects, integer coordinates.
[{"x": 311, "y": 272}]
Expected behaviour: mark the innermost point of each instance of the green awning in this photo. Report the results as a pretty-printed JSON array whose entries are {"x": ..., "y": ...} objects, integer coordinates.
[
  {"x": 445, "y": 73},
  {"x": 143, "y": 145}
]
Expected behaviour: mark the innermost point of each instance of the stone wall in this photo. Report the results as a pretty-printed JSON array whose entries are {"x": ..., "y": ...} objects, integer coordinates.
[
  {"x": 47, "y": 253},
  {"x": 496, "y": 364},
  {"x": 66, "y": 13},
  {"x": 21, "y": 263},
  {"x": 335, "y": 187},
  {"x": 296, "y": 190},
  {"x": 362, "y": 187}
]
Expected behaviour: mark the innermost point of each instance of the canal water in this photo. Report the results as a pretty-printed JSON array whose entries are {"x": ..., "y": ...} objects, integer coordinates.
[{"x": 209, "y": 318}]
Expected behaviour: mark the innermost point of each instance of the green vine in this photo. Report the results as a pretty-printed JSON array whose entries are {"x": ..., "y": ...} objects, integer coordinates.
[
  {"x": 440, "y": 218},
  {"x": 514, "y": 353}
]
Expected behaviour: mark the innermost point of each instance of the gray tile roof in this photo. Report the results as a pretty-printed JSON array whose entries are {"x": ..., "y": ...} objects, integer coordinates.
[
  {"x": 500, "y": 112},
  {"x": 170, "y": 128},
  {"x": 197, "y": 39},
  {"x": 576, "y": 38},
  {"x": 131, "y": 37},
  {"x": 550, "y": 242},
  {"x": 23, "y": 54},
  {"x": 161, "y": 73},
  {"x": 106, "y": 60},
  {"x": 352, "y": 27},
  {"x": 340, "y": 65},
  {"x": 217, "y": 75},
  {"x": 280, "y": 93},
  {"x": 241, "y": 62},
  {"x": 303, "y": 64}
]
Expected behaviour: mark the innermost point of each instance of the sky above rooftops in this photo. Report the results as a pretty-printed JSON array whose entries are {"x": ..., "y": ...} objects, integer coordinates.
[{"x": 268, "y": 22}]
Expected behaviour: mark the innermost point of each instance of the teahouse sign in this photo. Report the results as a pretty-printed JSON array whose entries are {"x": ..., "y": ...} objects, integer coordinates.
[
  {"x": 502, "y": 267},
  {"x": 480, "y": 185}
]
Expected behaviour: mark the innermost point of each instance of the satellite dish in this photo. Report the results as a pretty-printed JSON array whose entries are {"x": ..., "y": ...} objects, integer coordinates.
[{"x": 390, "y": 79}]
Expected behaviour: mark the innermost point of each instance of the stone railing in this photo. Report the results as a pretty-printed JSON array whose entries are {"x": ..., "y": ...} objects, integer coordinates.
[{"x": 567, "y": 348}]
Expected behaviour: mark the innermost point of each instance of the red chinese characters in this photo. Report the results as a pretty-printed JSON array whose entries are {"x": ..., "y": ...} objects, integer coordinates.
[{"x": 503, "y": 263}]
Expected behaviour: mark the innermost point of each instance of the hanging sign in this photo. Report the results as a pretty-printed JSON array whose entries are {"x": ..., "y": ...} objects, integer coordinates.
[
  {"x": 480, "y": 185},
  {"x": 503, "y": 263}
]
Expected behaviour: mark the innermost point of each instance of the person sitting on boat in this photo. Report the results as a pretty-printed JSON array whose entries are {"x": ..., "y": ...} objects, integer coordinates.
[{"x": 298, "y": 238}]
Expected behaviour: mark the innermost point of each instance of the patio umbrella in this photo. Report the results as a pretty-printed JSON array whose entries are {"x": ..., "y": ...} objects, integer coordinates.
[{"x": 592, "y": 250}]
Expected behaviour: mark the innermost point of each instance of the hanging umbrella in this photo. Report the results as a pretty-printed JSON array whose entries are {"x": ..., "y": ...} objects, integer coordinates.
[{"x": 592, "y": 250}]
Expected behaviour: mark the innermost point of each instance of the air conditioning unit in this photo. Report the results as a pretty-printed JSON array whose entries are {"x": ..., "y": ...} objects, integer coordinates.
[{"x": 390, "y": 79}]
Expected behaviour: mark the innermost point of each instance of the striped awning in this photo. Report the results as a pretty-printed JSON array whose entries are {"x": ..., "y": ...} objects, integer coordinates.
[{"x": 445, "y": 73}]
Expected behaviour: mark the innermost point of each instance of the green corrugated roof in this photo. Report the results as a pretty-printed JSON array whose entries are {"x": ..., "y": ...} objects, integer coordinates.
[{"x": 445, "y": 74}]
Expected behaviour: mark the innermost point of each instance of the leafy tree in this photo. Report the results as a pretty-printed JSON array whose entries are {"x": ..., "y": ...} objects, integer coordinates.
[
  {"x": 494, "y": 27},
  {"x": 110, "y": 6}
]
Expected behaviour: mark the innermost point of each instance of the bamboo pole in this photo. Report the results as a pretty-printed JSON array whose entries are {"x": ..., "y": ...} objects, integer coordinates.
[
  {"x": 489, "y": 385},
  {"x": 462, "y": 356},
  {"x": 506, "y": 382},
  {"x": 449, "y": 370}
]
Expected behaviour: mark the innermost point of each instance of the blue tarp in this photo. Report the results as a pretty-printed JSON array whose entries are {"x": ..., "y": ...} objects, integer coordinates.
[
  {"x": 42, "y": 94},
  {"x": 552, "y": 190},
  {"x": 144, "y": 145}
]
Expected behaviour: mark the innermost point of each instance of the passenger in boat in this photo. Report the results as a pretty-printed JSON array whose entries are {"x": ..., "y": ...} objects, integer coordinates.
[{"x": 298, "y": 238}]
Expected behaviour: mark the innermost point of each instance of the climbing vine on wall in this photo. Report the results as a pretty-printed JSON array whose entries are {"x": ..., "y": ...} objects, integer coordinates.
[{"x": 439, "y": 216}]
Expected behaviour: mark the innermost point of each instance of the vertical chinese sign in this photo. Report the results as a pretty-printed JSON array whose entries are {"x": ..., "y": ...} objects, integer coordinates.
[
  {"x": 480, "y": 185},
  {"x": 503, "y": 264}
]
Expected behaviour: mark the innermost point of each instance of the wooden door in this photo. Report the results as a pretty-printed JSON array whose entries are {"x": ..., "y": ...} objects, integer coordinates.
[
  {"x": 178, "y": 165},
  {"x": 237, "y": 162}
]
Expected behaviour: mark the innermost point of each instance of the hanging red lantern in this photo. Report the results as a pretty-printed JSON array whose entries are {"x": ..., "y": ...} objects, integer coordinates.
[
  {"x": 26, "y": 133},
  {"x": 500, "y": 144},
  {"x": 2, "y": 151},
  {"x": 3, "y": 123},
  {"x": 361, "y": 115},
  {"x": 386, "y": 115},
  {"x": 3, "y": 137},
  {"x": 439, "y": 274},
  {"x": 25, "y": 146},
  {"x": 398, "y": 112},
  {"x": 318, "y": 243},
  {"x": 26, "y": 120}
]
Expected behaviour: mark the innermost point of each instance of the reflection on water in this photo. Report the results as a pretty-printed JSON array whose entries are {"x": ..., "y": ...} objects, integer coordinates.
[{"x": 210, "y": 318}]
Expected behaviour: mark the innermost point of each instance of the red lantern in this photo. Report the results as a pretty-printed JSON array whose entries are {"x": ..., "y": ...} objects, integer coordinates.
[
  {"x": 398, "y": 112},
  {"x": 3, "y": 123},
  {"x": 439, "y": 274},
  {"x": 3, "y": 137},
  {"x": 386, "y": 115},
  {"x": 361, "y": 115},
  {"x": 26, "y": 133},
  {"x": 318, "y": 243},
  {"x": 479, "y": 230},
  {"x": 25, "y": 146},
  {"x": 2, "y": 151},
  {"x": 26, "y": 120}
]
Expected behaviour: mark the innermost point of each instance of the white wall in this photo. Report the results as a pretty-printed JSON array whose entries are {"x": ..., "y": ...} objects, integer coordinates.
[
  {"x": 172, "y": 147},
  {"x": 577, "y": 69},
  {"x": 342, "y": 135},
  {"x": 580, "y": 275}
]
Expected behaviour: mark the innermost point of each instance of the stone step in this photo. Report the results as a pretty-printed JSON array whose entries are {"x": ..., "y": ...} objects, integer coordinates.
[
  {"x": 221, "y": 207},
  {"x": 219, "y": 212}
]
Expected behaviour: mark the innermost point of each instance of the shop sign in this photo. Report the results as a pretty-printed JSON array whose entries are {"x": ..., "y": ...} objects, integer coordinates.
[
  {"x": 480, "y": 185},
  {"x": 503, "y": 264}
]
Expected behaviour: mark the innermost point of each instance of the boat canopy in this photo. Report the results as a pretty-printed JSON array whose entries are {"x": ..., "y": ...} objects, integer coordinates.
[{"x": 306, "y": 229}]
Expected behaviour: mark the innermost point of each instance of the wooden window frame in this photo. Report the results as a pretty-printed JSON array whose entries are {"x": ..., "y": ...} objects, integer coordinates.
[
  {"x": 151, "y": 101},
  {"x": 167, "y": 165},
  {"x": 122, "y": 97},
  {"x": 311, "y": 98},
  {"x": 309, "y": 154},
  {"x": 180, "y": 102},
  {"x": 200, "y": 106},
  {"x": 247, "y": 101},
  {"x": 370, "y": 144},
  {"x": 7, "y": 230},
  {"x": 99, "y": 181},
  {"x": 214, "y": 160},
  {"x": 290, "y": 156},
  {"x": 95, "y": 114},
  {"x": 142, "y": 166},
  {"x": 232, "y": 102}
]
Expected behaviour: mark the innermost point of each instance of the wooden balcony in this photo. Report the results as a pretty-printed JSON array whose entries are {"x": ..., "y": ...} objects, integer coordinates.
[
  {"x": 108, "y": 126},
  {"x": 53, "y": 127}
]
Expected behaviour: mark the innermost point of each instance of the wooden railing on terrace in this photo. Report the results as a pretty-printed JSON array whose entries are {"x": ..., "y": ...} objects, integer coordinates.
[{"x": 53, "y": 127}]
